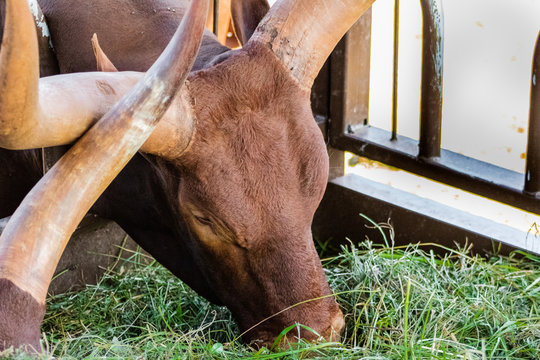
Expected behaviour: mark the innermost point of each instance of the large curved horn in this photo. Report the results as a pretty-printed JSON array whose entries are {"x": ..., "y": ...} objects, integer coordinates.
[
  {"x": 47, "y": 60},
  {"x": 58, "y": 110},
  {"x": 19, "y": 71},
  {"x": 303, "y": 33},
  {"x": 38, "y": 231}
]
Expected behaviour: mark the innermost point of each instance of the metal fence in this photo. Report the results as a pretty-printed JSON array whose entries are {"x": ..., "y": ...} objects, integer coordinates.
[{"x": 341, "y": 102}]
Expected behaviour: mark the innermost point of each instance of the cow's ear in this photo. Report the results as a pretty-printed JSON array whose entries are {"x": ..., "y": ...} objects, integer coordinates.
[
  {"x": 103, "y": 62},
  {"x": 246, "y": 15}
]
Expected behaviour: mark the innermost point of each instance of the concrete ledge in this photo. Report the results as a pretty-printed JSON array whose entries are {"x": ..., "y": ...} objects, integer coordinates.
[{"x": 413, "y": 218}]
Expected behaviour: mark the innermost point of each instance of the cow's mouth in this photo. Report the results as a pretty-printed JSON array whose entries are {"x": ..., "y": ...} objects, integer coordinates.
[{"x": 275, "y": 340}]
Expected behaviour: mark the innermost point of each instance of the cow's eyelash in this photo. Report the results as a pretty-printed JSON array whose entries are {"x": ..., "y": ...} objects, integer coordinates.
[
  {"x": 216, "y": 226},
  {"x": 204, "y": 220}
]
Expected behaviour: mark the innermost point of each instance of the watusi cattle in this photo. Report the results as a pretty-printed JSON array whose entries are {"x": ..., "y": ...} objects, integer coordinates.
[{"x": 223, "y": 164}]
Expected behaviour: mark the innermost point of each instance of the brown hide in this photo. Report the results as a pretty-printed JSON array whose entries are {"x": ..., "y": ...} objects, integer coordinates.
[
  {"x": 134, "y": 33},
  {"x": 21, "y": 316}
]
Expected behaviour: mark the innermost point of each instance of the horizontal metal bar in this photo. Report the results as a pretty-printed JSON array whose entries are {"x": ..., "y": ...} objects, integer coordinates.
[
  {"x": 450, "y": 168},
  {"x": 413, "y": 218}
]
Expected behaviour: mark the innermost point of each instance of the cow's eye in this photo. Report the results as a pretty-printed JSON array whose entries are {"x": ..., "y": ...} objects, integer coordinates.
[{"x": 203, "y": 220}]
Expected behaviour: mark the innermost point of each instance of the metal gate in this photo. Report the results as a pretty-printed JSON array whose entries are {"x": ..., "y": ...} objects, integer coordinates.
[{"x": 340, "y": 103}]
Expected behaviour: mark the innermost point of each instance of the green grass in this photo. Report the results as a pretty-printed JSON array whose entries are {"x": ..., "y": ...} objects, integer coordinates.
[{"x": 399, "y": 303}]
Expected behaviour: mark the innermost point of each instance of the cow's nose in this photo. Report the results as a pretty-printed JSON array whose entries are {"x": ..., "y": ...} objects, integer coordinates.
[{"x": 337, "y": 324}]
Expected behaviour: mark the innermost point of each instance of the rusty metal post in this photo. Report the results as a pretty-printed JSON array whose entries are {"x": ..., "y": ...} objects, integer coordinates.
[
  {"x": 432, "y": 75},
  {"x": 349, "y": 87},
  {"x": 532, "y": 172},
  {"x": 349, "y": 79}
]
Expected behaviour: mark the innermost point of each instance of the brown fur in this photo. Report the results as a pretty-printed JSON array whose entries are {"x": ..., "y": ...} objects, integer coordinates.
[
  {"x": 20, "y": 317},
  {"x": 123, "y": 27}
]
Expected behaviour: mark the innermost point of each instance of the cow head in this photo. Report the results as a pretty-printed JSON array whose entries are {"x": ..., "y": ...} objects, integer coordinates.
[
  {"x": 251, "y": 182},
  {"x": 253, "y": 168}
]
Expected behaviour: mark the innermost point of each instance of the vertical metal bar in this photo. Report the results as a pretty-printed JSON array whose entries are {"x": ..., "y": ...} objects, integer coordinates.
[
  {"x": 349, "y": 79},
  {"x": 532, "y": 172},
  {"x": 215, "y": 24},
  {"x": 349, "y": 86},
  {"x": 432, "y": 75},
  {"x": 395, "y": 76}
]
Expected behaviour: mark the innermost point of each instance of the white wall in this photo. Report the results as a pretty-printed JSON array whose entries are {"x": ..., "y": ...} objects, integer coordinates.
[{"x": 488, "y": 48}]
